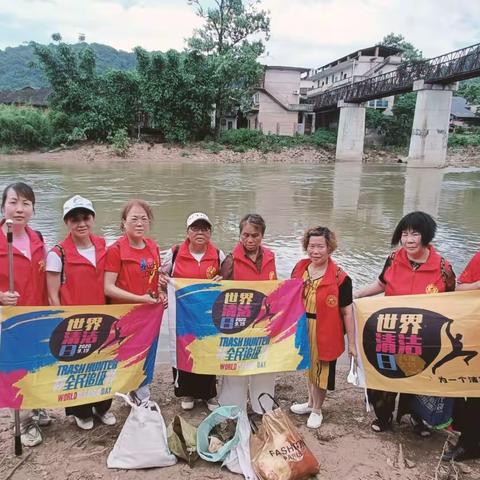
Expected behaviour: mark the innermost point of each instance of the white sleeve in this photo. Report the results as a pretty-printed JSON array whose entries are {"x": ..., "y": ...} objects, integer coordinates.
[
  {"x": 166, "y": 265},
  {"x": 54, "y": 262},
  {"x": 221, "y": 256}
]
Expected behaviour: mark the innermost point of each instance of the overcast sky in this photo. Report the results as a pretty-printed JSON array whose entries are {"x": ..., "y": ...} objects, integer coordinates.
[{"x": 306, "y": 33}]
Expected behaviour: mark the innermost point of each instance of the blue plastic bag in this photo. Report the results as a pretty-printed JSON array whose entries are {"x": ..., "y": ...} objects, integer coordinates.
[{"x": 218, "y": 416}]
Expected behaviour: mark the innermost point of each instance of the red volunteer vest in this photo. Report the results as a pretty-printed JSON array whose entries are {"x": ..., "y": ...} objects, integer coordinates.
[
  {"x": 330, "y": 330},
  {"x": 130, "y": 277},
  {"x": 401, "y": 279},
  {"x": 29, "y": 275},
  {"x": 186, "y": 266},
  {"x": 471, "y": 273},
  {"x": 83, "y": 281},
  {"x": 245, "y": 269}
]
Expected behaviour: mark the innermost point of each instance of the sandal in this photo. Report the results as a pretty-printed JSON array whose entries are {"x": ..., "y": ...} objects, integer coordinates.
[
  {"x": 378, "y": 426},
  {"x": 419, "y": 427}
]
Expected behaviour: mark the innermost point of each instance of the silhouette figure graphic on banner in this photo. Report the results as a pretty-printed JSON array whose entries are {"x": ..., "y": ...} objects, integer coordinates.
[{"x": 457, "y": 349}]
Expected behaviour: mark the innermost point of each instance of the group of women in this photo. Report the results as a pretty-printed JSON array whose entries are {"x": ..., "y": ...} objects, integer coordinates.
[{"x": 131, "y": 271}]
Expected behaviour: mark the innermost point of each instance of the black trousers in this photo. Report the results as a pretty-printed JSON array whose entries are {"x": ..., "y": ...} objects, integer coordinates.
[
  {"x": 467, "y": 422},
  {"x": 194, "y": 385},
  {"x": 85, "y": 411},
  {"x": 384, "y": 405}
]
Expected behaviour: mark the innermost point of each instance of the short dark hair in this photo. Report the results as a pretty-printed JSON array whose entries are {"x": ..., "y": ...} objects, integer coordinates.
[
  {"x": 330, "y": 237},
  {"x": 20, "y": 188},
  {"x": 253, "y": 219},
  {"x": 421, "y": 222}
]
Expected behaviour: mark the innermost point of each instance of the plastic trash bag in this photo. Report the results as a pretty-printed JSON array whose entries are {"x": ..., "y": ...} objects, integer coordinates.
[
  {"x": 218, "y": 416},
  {"x": 142, "y": 443},
  {"x": 182, "y": 439},
  {"x": 279, "y": 451}
]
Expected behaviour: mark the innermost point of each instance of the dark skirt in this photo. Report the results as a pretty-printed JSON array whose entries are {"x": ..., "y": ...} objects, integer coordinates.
[{"x": 194, "y": 385}]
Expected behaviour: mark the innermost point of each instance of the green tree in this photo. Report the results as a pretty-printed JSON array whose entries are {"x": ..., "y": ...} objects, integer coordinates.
[
  {"x": 410, "y": 53},
  {"x": 95, "y": 104},
  {"x": 232, "y": 40},
  {"x": 176, "y": 92},
  {"x": 470, "y": 90}
]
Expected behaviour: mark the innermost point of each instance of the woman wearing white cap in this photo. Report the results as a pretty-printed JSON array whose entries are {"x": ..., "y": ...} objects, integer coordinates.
[
  {"x": 195, "y": 257},
  {"x": 77, "y": 261}
]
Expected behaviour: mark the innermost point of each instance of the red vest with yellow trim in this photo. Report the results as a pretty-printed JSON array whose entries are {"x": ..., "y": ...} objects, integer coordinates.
[
  {"x": 329, "y": 322},
  {"x": 401, "y": 279},
  {"x": 187, "y": 266},
  {"x": 83, "y": 281},
  {"x": 245, "y": 269},
  {"x": 29, "y": 275},
  {"x": 131, "y": 277}
]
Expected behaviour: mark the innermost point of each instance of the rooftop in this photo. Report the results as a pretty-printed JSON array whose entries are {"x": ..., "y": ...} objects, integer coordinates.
[
  {"x": 383, "y": 51},
  {"x": 37, "y": 97}
]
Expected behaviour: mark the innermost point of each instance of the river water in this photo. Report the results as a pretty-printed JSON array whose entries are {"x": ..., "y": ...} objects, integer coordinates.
[{"x": 362, "y": 203}]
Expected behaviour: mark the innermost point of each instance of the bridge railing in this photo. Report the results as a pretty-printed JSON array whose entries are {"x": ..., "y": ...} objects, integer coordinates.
[{"x": 453, "y": 66}]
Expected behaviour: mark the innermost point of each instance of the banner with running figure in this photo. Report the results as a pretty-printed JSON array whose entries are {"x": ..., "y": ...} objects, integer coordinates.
[
  {"x": 236, "y": 327},
  {"x": 423, "y": 344},
  {"x": 64, "y": 356}
]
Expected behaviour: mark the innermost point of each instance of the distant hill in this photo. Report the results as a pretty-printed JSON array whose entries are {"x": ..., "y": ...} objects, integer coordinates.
[{"x": 15, "y": 72}]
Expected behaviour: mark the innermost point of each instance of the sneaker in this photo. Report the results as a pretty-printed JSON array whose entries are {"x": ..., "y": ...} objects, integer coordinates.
[
  {"x": 84, "y": 423},
  {"x": 315, "y": 420},
  {"x": 301, "y": 408},
  {"x": 419, "y": 427},
  {"x": 32, "y": 436},
  {"x": 188, "y": 403},
  {"x": 41, "y": 417},
  {"x": 107, "y": 418},
  {"x": 212, "y": 404}
]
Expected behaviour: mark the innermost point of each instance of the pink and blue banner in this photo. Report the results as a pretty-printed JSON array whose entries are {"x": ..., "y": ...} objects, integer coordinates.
[
  {"x": 237, "y": 327},
  {"x": 63, "y": 356}
]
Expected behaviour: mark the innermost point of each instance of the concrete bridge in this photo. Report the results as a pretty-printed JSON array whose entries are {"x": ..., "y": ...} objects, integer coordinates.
[{"x": 433, "y": 79}]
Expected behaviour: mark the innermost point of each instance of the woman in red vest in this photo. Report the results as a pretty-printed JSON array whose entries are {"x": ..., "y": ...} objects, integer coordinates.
[
  {"x": 131, "y": 267},
  {"x": 327, "y": 295},
  {"x": 414, "y": 268},
  {"x": 73, "y": 264},
  {"x": 18, "y": 205},
  {"x": 250, "y": 260},
  {"x": 467, "y": 411},
  {"x": 195, "y": 257}
]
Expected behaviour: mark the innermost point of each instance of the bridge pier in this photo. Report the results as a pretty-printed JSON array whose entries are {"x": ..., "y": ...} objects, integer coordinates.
[
  {"x": 428, "y": 143},
  {"x": 351, "y": 132}
]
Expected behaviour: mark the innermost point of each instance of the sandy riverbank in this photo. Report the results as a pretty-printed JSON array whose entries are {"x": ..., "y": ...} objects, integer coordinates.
[
  {"x": 162, "y": 154},
  {"x": 345, "y": 445}
]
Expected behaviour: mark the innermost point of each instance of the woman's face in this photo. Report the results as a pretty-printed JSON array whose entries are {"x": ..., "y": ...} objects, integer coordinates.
[
  {"x": 17, "y": 208},
  {"x": 411, "y": 240},
  {"x": 137, "y": 223},
  {"x": 80, "y": 225},
  {"x": 251, "y": 237},
  {"x": 199, "y": 234},
  {"x": 317, "y": 250}
]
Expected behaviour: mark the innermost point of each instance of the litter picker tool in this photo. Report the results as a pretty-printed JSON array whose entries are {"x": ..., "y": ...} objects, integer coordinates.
[{"x": 11, "y": 289}]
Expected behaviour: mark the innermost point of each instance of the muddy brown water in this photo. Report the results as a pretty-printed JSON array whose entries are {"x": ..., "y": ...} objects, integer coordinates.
[{"x": 362, "y": 203}]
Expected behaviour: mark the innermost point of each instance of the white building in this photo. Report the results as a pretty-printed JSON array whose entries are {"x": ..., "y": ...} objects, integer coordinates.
[{"x": 357, "y": 66}]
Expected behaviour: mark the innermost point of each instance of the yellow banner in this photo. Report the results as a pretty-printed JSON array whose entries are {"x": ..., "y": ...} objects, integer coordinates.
[{"x": 422, "y": 344}]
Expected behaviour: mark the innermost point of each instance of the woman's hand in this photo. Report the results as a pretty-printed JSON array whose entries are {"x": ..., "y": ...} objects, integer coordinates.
[
  {"x": 147, "y": 298},
  {"x": 217, "y": 278},
  {"x": 352, "y": 350},
  {"x": 163, "y": 280},
  {"x": 163, "y": 298},
  {"x": 9, "y": 298}
]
